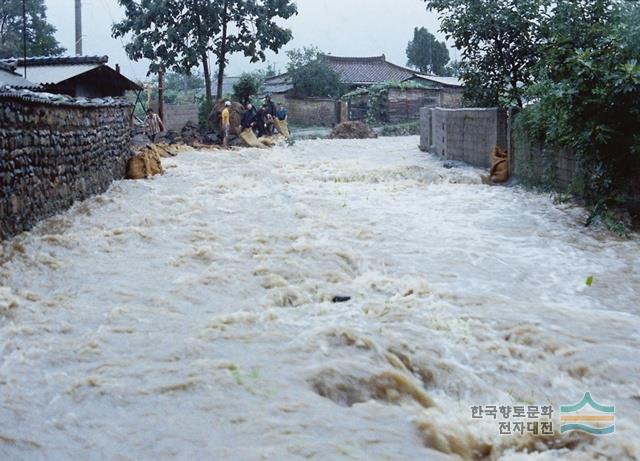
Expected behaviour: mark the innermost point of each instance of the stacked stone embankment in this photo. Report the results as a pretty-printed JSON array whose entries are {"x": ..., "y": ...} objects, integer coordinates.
[{"x": 56, "y": 150}]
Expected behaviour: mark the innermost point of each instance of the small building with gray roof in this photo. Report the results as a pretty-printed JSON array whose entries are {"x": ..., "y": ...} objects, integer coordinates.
[{"x": 77, "y": 76}]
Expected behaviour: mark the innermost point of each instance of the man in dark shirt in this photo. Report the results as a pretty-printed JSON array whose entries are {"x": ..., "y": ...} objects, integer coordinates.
[
  {"x": 269, "y": 106},
  {"x": 261, "y": 121},
  {"x": 249, "y": 118}
]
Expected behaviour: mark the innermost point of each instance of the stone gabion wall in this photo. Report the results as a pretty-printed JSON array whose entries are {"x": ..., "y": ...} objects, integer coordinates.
[{"x": 55, "y": 151}]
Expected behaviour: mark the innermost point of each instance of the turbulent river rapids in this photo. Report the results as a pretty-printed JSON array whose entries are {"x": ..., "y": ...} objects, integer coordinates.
[{"x": 193, "y": 316}]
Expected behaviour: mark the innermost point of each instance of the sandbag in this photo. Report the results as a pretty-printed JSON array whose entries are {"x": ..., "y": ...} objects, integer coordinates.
[
  {"x": 270, "y": 141},
  {"x": 282, "y": 126},
  {"x": 170, "y": 150},
  {"x": 499, "y": 165},
  {"x": 145, "y": 164},
  {"x": 249, "y": 139}
]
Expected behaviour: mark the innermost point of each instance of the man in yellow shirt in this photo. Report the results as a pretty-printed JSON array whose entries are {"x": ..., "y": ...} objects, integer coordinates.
[{"x": 226, "y": 122}]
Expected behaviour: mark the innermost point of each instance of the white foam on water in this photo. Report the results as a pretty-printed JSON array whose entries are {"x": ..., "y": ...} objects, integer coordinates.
[{"x": 190, "y": 316}]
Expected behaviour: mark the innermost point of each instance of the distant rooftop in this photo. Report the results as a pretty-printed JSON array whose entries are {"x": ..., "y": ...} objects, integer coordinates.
[
  {"x": 446, "y": 81},
  {"x": 7, "y": 67},
  {"x": 10, "y": 78},
  {"x": 367, "y": 70},
  {"x": 57, "y": 60},
  {"x": 52, "y": 71}
]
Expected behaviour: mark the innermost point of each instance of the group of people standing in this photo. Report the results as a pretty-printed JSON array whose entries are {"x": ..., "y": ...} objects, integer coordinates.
[{"x": 262, "y": 120}]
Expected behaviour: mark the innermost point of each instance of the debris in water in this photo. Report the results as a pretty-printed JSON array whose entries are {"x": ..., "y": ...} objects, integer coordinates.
[
  {"x": 341, "y": 299},
  {"x": 590, "y": 280},
  {"x": 352, "y": 130}
]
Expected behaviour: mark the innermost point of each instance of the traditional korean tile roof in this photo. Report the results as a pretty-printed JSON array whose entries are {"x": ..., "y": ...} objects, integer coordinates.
[{"x": 367, "y": 70}]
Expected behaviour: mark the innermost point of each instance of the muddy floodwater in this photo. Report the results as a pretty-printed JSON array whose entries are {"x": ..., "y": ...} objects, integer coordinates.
[{"x": 191, "y": 316}]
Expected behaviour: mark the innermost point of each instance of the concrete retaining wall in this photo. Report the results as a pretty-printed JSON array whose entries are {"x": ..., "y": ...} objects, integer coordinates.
[
  {"x": 468, "y": 135},
  {"x": 54, "y": 152},
  {"x": 312, "y": 111},
  {"x": 425, "y": 129},
  {"x": 176, "y": 116},
  {"x": 542, "y": 165}
]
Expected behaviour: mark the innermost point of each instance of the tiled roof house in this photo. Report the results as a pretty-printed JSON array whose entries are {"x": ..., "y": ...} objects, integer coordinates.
[{"x": 364, "y": 71}]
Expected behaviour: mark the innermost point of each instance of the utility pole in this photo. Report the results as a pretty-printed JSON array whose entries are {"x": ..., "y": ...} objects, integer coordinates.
[
  {"x": 24, "y": 35},
  {"x": 78, "y": 27},
  {"x": 161, "y": 94}
]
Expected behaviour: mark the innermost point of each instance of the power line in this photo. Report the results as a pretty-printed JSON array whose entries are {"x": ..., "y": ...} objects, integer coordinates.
[
  {"x": 24, "y": 35},
  {"x": 107, "y": 9}
]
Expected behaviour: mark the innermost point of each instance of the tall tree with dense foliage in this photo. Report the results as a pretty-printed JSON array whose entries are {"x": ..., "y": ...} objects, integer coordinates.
[
  {"x": 251, "y": 27},
  {"x": 172, "y": 34},
  {"x": 427, "y": 54},
  {"x": 40, "y": 34},
  {"x": 500, "y": 45},
  {"x": 587, "y": 97},
  {"x": 180, "y": 34},
  {"x": 312, "y": 76}
]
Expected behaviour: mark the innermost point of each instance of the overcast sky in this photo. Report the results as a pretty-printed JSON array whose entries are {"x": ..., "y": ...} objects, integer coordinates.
[{"x": 338, "y": 27}]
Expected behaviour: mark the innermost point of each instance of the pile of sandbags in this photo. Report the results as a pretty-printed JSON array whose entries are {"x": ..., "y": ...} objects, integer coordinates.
[
  {"x": 499, "y": 165},
  {"x": 145, "y": 163},
  {"x": 235, "y": 118},
  {"x": 249, "y": 139},
  {"x": 352, "y": 130}
]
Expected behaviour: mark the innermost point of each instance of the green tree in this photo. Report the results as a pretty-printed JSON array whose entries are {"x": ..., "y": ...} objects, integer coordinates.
[
  {"x": 248, "y": 86},
  {"x": 500, "y": 43},
  {"x": 172, "y": 34},
  {"x": 588, "y": 93},
  {"x": 312, "y": 76},
  {"x": 180, "y": 34},
  {"x": 427, "y": 54},
  {"x": 250, "y": 27},
  {"x": 40, "y": 34},
  {"x": 183, "y": 82}
]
